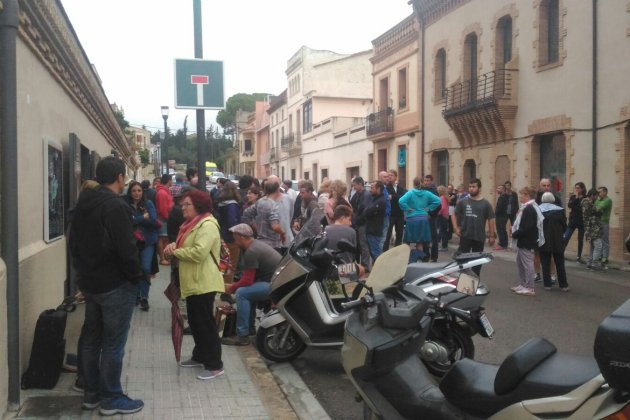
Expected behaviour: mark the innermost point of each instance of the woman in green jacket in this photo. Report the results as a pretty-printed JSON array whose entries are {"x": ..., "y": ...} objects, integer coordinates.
[{"x": 200, "y": 279}]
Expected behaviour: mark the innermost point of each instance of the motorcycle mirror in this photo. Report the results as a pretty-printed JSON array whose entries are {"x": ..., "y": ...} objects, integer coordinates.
[{"x": 467, "y": 284}]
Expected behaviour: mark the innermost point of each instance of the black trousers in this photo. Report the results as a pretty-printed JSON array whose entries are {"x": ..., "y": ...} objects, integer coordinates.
[
  {"x": 432, "y": 252},
  {"x": 501, "y": 222},
  {"x": 203, "y": 327},
  {"x": 469, "y": 245},
  {"x": 397, "y": 222},
  {"x": 545, "y": 262}
]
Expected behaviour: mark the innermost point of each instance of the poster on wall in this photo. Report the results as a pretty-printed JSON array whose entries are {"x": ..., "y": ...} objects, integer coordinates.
[{"x": 53, "y": 191}]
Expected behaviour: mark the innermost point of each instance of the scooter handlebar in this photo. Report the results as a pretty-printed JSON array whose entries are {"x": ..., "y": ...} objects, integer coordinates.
[{"x": 353, "y": 304}]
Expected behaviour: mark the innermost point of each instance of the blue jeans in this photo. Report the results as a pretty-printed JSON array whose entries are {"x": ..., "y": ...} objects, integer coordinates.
[
  {"x": 146, "y": 258},
  {"x": 375, "y": 245},
  {"x": 605, "y": 241},
  {"x": 385, "y": 229},
  {"x": 244, "y": 298},
  {"x": 103, "y": 339}
]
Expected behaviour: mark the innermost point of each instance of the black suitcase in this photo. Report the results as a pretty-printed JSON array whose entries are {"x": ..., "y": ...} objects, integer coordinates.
[{"x": 48, "y": 349}]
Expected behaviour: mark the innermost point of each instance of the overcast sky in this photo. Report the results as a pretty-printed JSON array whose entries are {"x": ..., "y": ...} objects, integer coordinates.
[{"x": 133, "y": 44}]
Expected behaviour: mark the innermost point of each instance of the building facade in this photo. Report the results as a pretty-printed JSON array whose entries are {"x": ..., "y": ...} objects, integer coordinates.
[
  {"x": 524, "y": 90},
  {"x": 328, "y": 94},
  {"x": 64, "y": 126},
  {"x": 394, "y": 125}
]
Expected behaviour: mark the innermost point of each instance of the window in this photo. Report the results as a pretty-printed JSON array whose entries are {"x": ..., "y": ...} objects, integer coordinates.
[
  {"x": 470, "y": 171},
  {"x": 383, "y": 94},
  {"x": 292, "y": 173},
  {"x": 442, "y": 167},
  {"x": 553, "y": 160},
  {"x": 247, "y": 146},
  {"x": 549, "y": 32},
  {"x": 324, "y": 173},
  {"x": 402, "y": 88},
  {"x": 504, "y": 41},
  {"x": 440, "y": 74},
  {"x": 470, "y": 66},
  {"x": 307, "y": 112},
  {"x": 306, "y": 175}
]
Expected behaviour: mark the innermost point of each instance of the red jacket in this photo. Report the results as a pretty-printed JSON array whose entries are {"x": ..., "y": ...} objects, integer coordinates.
[{"x": 163, "y": 202}]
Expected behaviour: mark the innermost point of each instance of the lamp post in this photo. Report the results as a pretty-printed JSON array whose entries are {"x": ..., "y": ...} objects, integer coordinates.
[
  {"x": 165, "y": 145},
  {"x": 157, "y": 158}
]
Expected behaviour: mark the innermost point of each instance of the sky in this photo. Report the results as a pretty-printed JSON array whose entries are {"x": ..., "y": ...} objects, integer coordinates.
[{"x": 133, "y": 44}]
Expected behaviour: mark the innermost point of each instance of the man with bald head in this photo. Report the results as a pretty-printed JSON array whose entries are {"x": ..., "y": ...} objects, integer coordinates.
[
  {"x": 285, "y": 208},
  {"x": 545, "y": 186},
  {"x": 264, "y": 217}
]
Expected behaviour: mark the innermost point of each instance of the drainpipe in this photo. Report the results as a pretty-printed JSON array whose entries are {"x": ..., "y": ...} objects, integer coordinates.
[
  {"x": 594, "y": 101},
  {"x": 421, "y": 66},
  {"x": 9, "y": 23}
]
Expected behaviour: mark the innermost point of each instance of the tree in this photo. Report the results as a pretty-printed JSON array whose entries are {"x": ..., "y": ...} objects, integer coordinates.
[
  {"x": 144, "y": 157},
  {"x": 226, "y": 118},
  {"x": 122, "y": 122}
]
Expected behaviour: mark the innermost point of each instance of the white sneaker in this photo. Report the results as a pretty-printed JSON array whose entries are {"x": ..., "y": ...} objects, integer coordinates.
[
  {"x": 516, "y": 288},
  {"x": 526, "y": 292}
]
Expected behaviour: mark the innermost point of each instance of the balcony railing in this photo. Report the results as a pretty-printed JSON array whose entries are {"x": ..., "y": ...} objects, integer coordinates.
[
  {"x": 485, "y": 90},
  {"x": 483, "y": 110},
  {"x": 380, "y": 122},
  {"x": 291, "y": 141}
]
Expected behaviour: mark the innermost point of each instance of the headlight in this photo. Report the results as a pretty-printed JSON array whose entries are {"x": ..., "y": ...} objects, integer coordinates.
[{"x": 303, "y": 252}]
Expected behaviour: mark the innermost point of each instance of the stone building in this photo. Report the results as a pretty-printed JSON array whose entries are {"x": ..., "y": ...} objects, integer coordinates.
[{"x": 524, "y": 90}]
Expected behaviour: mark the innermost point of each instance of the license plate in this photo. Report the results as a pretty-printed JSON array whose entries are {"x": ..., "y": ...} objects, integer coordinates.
[
  {"x": 347, "y": 273},
  {"x": 485, "y": 324}
]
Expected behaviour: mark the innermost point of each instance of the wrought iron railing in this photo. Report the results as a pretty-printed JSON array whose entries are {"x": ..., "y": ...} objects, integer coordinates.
[
  {"x": 380, "y": 122},
  {"x": 482, "y": 91},
  {"x": 290, "y": 141}
]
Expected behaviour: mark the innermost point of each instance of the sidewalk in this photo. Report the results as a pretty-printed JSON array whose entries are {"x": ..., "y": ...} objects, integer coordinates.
[{"x": 246, "y": 391}]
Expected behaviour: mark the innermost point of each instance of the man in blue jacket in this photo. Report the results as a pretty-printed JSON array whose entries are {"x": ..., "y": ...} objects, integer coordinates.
[{"x": 108, "y": 268}]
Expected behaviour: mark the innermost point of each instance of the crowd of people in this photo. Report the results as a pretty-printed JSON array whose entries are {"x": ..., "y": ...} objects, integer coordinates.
[{"x": 119, "y": 241}]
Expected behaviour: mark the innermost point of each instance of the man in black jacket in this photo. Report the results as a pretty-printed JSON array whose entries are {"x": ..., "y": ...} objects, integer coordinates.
[
  {"x": 396, "y": 218},
  {"x": 359, "y": 202},
  {"x": 106, "y": 258},
  {"x": 374, "y": 216}
]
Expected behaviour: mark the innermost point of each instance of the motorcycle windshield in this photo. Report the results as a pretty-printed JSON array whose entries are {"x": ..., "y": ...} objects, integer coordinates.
[{"x": 389, "y": 267}]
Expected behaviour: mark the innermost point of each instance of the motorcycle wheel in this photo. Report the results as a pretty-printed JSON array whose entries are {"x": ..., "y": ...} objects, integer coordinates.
[
  {"x": 268, "y": 343},
  {"x": 462, "y": 346}
]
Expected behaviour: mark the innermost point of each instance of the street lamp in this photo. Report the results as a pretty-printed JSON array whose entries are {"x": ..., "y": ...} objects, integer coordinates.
[
  {"x": 165, "y": 145},
  {"x": 158, "y": 157}
]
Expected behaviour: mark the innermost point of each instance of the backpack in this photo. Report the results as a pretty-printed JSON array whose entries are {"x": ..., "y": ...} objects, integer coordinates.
[
  {"x": 225, "y": 260},
  {"x": 224, "y": 263}
]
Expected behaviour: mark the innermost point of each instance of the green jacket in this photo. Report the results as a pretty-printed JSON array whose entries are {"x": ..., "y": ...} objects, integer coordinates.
[{"x": 198, "y": 273}]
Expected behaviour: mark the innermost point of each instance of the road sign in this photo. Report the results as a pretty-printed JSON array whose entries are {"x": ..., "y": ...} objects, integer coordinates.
[{"x": 199, "y": 84}]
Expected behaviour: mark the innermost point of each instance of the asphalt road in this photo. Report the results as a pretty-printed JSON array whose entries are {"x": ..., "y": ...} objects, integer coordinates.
[{"x": 569, "y": 320}]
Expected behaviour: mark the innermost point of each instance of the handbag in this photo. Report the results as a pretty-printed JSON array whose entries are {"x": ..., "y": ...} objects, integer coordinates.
[{"x": 140, "y": 241}]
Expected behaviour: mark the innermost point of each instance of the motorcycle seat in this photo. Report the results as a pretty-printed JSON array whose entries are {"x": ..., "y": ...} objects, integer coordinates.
[
  {"x": 534, "y": 370},
  {"x": 417, "y": 270}
]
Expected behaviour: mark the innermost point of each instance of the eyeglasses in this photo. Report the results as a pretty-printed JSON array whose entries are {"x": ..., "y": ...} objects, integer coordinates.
[{"x": 186, "y": 204}]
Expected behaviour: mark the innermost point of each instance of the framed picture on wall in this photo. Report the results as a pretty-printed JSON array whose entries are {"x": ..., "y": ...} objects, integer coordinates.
[{"x": 53, "y": 191}]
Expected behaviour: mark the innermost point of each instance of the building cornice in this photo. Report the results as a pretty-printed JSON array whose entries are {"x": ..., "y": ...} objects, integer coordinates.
[
  {"x": 47, "y": 31},
  {"x": 404, "y": 33},
  {"x": 432, "y": 10}
]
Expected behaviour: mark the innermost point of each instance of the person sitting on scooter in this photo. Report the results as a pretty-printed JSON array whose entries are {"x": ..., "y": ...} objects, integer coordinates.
[
  {"x": 259, "y": 263},
  {"x": 342, "y": 229}
]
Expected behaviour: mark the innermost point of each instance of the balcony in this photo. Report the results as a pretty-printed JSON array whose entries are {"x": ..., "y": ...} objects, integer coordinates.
[
  {"x": 274, "y": 154},
  {"x": 380, "y": 122},
  {"x": 482, "y": 110},
  {"x": 292, "y": 143}
]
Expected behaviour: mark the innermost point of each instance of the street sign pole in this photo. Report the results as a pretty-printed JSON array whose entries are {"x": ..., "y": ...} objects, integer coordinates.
[{"x": 201, "y": 116}]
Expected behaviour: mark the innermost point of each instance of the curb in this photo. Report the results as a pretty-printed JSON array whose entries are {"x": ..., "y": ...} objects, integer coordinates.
[
  {"x": 275, "y": 400},
  {"x": 282, "y": 391}
]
